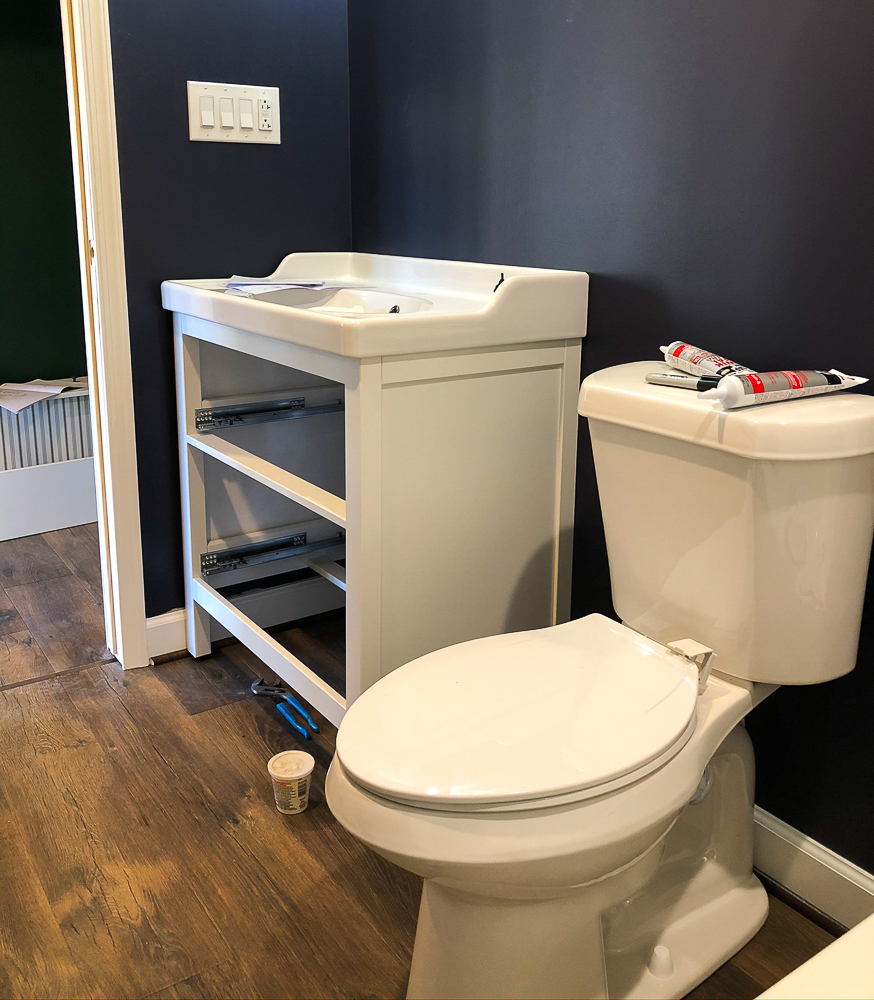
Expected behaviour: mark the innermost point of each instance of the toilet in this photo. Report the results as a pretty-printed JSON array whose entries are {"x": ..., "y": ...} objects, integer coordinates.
[{"x": 578, "y": 799}]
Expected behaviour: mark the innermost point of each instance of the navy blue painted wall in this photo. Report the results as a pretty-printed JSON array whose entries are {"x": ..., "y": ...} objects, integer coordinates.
[
  {"x": 194, "y": 210},
  {"x": 711, "y": 165}
]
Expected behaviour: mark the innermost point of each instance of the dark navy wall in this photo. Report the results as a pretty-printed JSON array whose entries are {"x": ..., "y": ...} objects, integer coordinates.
[
  {"x": 711, "y": 165},
  {"x": 196, "y": 210}
]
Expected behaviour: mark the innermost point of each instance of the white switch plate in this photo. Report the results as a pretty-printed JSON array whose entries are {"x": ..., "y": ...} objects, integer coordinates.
[{"x": 199, "y": 132}]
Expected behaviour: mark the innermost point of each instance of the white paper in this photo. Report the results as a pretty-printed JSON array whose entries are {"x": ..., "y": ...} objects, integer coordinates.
[
  {"x": 250, "y": 287},
  {"x": 250, "y": 290},
  {"x": 236, "y": 281},
  {"x": 17, "y": 396}
]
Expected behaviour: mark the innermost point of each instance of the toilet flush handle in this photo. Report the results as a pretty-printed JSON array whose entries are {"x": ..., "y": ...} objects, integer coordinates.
[{"x": 702, "y": 656}]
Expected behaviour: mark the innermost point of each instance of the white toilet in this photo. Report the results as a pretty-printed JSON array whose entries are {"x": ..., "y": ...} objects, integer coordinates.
[{"x": 579, "y": 798}]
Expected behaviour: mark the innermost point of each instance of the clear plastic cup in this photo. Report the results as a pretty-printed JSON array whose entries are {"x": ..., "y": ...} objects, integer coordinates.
[{"x": 291, "y": 772}]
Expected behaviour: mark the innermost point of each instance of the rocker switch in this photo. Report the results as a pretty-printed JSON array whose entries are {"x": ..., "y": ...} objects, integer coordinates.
[
  {"x": 226, "y": 111},
  {"x": 207, "y": 112},
  {"x": 247, "y": 113}
]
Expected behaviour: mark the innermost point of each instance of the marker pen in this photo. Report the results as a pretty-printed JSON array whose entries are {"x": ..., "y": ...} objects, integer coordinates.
[{"x": 699, "y": 382}]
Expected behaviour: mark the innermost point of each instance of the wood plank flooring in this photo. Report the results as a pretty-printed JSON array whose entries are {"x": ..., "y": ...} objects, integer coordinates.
[{"x": 140, "y": 851}]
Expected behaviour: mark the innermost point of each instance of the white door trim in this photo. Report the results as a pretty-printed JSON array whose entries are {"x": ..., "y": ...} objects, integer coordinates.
[{"x": 104, "y": 294}]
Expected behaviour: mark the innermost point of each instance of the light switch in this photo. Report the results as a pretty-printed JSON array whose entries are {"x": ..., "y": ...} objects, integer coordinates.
[
  {"x": 232, "y": 112},
  {"x": 226, "y": 112},
  {"x": 247, "y": 113},
  {"x": 207, "y": 113}
]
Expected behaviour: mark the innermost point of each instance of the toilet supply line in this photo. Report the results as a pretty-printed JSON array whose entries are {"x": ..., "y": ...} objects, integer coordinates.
[{"x": 282, "y": 697}]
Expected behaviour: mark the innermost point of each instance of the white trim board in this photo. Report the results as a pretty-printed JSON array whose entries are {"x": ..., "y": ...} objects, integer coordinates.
[
  {"x": 842, "y": 890},
  {"x": 90, "y": 96},
  {"x": 47, "y": 497},
  {"x": 167, "y": 633}
]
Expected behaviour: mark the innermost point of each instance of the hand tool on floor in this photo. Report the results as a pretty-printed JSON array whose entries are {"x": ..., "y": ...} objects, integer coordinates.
[{"x": 283, "y": 696}]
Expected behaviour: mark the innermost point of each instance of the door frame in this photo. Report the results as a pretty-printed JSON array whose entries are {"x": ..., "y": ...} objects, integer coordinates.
[{"x": 91, "y": 102}]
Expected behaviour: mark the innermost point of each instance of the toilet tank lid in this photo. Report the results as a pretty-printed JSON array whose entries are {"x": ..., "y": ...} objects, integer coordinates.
[{"x": 834, "y": 425}]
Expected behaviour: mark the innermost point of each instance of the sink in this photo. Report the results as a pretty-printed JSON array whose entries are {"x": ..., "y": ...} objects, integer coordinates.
[
  {"x": 346, "y": 301},
  {"x": 372, "y": 305}
]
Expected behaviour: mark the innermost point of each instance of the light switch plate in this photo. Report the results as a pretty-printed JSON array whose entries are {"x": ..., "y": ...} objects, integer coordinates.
[{"x": 260, "y": 97}]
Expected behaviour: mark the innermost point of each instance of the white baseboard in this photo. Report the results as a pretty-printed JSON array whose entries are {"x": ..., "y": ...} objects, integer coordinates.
[
  {"x": 166, "y": 633},
  {"x": 269, "y": 606},
  {"x": 822, "y": 878},
  {"x": 47, "y": 497}
]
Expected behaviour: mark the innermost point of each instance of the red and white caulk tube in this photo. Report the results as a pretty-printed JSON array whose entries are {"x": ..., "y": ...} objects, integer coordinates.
[
  {"x": 771, "y": 387},
  {"x": 698, "y": 362}
]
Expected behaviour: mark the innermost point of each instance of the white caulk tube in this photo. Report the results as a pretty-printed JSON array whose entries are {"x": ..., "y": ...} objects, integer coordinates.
[
  {"x": 771, "y": 387},
  {"x": 697, "y": 362}
]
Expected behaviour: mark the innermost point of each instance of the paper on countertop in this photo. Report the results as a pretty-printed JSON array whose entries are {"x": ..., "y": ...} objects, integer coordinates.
[
  {"x": 249, "y": 290},
  {"x": 271, "y": 284},
  {"x": 17, "y": 396},
  {"x": 237, "y": 285}
]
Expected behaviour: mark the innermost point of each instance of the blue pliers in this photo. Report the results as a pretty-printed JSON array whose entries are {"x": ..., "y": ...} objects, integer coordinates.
[{"x": 286, "y": 698}]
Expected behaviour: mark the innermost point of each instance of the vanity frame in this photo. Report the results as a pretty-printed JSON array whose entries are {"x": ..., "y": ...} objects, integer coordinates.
[{"x": 458, "y": 514}]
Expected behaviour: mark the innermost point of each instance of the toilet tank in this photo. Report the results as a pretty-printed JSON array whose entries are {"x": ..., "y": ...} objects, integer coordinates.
[{"x": 748, "y": 530}]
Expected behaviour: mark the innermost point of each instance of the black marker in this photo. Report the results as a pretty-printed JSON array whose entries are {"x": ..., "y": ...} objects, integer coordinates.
[{"x": 698, "y": 382}]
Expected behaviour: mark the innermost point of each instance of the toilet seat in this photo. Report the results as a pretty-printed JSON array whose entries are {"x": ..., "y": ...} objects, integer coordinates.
[{"x": 521, "y": 721}]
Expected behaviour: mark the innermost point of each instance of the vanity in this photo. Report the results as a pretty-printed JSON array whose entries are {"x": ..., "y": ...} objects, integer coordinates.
[{"x": 393, "y": 436}]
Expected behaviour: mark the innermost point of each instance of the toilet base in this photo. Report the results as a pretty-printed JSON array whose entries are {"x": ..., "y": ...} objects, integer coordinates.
[
  {"x": 702, "y": 940},
  {"x": 528, "y": 949},
  {"x": 656, "y": 929}
]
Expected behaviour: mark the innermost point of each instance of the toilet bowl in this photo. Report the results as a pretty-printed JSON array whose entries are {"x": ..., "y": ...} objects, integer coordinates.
[
  {"x": 578, "y": 799},
  {"x": 535, "y": 887}
]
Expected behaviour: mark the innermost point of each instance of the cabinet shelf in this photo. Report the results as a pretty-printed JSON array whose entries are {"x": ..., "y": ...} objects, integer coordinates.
[
  {"x": 330, "y": 569},
  {"x": 308, "y": 495},
  {"x": 285, "y": 664}
]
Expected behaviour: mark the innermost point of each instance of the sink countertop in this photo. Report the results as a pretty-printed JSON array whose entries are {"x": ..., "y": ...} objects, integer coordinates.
[{"x": 462, "y": 307}]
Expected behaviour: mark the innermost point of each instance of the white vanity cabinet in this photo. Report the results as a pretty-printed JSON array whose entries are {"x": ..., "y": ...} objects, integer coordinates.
[{"x": 401, "y": 441}]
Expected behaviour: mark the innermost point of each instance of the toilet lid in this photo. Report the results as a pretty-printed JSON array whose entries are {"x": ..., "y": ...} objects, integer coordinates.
[{"x": 527, "y": 715}]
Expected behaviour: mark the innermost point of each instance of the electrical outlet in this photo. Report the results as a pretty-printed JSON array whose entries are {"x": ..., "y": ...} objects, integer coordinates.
[
  {"x": 265, "y": 114},
  {"x": 225, "y": 112}
]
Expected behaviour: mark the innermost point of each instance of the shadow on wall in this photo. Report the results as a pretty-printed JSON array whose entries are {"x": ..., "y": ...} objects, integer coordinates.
[
  {"x": 628, "y": 321},
  {"x": 527, "y": 613}
]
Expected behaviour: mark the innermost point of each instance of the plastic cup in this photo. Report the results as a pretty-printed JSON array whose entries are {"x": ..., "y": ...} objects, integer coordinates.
[{"x": 291, "y": 772}]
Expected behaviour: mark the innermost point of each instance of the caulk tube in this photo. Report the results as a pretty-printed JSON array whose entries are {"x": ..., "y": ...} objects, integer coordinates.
[
  {"x": 697, "y": 362},
  {"x": 771, "y": 387}
]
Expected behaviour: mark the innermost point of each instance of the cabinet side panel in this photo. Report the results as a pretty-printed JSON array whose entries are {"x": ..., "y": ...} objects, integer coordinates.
[{"x": 470, "y": 473}]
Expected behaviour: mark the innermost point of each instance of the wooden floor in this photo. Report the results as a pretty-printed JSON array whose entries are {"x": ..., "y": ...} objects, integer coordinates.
[{"x": 140, "y": 851}]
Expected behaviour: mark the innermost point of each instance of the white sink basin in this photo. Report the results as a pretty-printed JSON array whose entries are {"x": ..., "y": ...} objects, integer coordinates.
[
  {"x": 347, "y": 301},
  {"x": 371, "y": 305}
]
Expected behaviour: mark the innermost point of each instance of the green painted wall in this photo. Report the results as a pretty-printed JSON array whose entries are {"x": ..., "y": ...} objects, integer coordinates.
[{"x": 41, "y": 327}]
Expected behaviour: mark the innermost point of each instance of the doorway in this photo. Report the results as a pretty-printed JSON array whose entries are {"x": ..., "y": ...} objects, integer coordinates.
[{"x": 69, "y": 515}]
